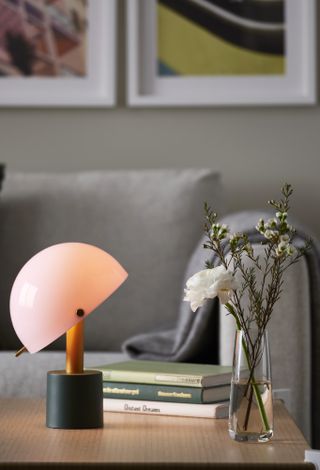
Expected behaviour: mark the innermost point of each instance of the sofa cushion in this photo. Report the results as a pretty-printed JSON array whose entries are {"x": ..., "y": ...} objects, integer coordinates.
[
  {"x": 27, "y": 375},
  {"x": 148, "y": 220}
]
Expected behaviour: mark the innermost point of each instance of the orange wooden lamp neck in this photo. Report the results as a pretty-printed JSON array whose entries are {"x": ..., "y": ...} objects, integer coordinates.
[{"x": 74, "y": 349}]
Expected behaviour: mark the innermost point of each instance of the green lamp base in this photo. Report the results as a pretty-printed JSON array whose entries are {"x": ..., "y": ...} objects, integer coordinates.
[{"x": 74, "y": 401}]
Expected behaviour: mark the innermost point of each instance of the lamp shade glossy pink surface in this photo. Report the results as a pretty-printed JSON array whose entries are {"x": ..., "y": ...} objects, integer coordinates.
[{"x": 54, "y": 284}]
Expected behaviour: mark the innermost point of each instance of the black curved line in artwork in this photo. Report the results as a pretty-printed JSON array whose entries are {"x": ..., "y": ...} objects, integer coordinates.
[
  {"x": 268, "y": 11},
  {"x": 259, "y": 36}
]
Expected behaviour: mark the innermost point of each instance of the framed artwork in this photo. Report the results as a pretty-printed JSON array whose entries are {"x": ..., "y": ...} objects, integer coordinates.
[
  {"x": 221, "y": 52},
  {"x": 57, "y": 52}
]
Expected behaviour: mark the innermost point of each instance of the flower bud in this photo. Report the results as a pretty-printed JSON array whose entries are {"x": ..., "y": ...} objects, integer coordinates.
[
  {"x": 272, "y": 223},
  {"x": 291, "y": 250}
]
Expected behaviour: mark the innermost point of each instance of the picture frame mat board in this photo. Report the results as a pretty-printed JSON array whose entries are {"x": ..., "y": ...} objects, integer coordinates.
[
  {"x": 96, "y": 88},
  {"x": 146, "y": 88}
]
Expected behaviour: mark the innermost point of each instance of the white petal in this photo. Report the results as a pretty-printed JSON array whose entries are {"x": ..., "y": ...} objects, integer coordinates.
[{"x": 224, "y": 296}]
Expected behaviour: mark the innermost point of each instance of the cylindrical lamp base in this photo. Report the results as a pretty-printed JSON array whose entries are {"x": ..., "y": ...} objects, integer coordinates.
[{"x": 74, "y": 401}]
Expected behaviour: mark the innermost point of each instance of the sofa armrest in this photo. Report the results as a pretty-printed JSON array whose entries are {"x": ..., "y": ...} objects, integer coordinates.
[{"x": 290, "y": 342}]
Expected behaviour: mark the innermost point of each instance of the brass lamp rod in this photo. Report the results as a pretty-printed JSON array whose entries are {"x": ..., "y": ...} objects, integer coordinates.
[
  {"x": 74, "y": 349},
  {"x": 21, "y": 351}
]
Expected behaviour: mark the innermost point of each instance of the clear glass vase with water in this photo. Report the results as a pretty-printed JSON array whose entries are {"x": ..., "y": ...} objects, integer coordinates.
[{"x": 251, "y": 409}]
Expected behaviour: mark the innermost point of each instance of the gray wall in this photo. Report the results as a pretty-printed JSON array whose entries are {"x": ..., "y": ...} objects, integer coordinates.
[{"x": 256, "y": 149}]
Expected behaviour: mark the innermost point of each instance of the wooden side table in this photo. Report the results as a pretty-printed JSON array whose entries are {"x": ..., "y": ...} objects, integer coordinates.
[{"x": 141, "y": 441}]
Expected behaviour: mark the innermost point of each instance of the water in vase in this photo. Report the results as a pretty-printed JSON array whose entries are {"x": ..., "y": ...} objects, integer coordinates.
[{"x": 246, "y": 422}]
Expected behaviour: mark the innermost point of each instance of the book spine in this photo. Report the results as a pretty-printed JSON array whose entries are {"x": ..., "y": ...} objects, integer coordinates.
[
  {"x": 152, "y": 378},
  {"x": 217, "y": 410},
  {"x": 152, "y": 392}
]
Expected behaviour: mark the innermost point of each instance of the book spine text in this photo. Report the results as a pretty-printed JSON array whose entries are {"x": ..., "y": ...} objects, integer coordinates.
[
  {"x": 217, "y": 410},
  {"x": 152, "y": 392},
  {"x": 152, "y": 378}
]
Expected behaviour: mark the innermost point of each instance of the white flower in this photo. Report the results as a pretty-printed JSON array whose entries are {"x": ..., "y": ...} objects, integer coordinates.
[
  {"x": 270, "y": 234},
  {"x": 281, "y": 248},
  {"x": 208, "y": 284},
  {"x": 224, "y": 230},
  {"x": 284, "y": 238},
  {"x": 233, "y": 237},
  {"x": 272, "y": 223},
  {"x": 260, "y": 226},
  {"x": 219, "y": 231},
  {"x": 291, "y": 250},
  {"x": 248, "y": 248}
]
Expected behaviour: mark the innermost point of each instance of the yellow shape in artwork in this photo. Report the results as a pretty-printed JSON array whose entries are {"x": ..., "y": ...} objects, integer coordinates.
[{"x": 189, "y": 49}]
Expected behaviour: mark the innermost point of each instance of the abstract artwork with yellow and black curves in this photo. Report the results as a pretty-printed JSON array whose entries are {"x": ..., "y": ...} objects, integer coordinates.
[{"x": 221, "y": 37}]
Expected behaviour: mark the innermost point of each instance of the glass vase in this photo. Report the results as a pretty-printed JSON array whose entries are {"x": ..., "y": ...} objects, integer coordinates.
[{"x": 251, "y": 409}]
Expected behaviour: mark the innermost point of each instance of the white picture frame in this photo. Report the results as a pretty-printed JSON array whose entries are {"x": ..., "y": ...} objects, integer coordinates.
[
  {"x": 296, "y": 87},
  {"x": 96, "y": 89}
]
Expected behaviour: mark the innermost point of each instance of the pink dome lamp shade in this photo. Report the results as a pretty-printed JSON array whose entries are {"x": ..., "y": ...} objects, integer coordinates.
[{"x": 52, "y": 294}]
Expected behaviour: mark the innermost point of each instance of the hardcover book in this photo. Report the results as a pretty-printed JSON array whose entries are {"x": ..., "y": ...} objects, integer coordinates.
[
  {"x": 166, "y": 373},
  {"x": 216, "y": 410},
  {"x": 170, "y": 393}
]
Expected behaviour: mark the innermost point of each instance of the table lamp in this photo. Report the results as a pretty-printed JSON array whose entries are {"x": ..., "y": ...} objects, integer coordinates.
[{"x": 52, "y": 294}]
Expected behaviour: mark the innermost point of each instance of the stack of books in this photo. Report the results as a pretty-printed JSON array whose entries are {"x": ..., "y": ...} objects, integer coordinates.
[{"x": 166, "y": 388}]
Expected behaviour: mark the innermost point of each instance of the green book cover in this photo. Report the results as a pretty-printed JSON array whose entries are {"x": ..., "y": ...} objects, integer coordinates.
[
  {"x": 168, "y": 393},
  {"x": 166, "y": 373}
]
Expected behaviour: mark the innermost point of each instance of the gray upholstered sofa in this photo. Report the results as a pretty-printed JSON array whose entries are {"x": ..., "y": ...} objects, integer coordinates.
[{"x": 150, "y": 221}]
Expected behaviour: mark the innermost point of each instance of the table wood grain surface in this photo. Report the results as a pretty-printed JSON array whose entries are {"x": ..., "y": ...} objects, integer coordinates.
[{"x": 135, "y": 441}]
